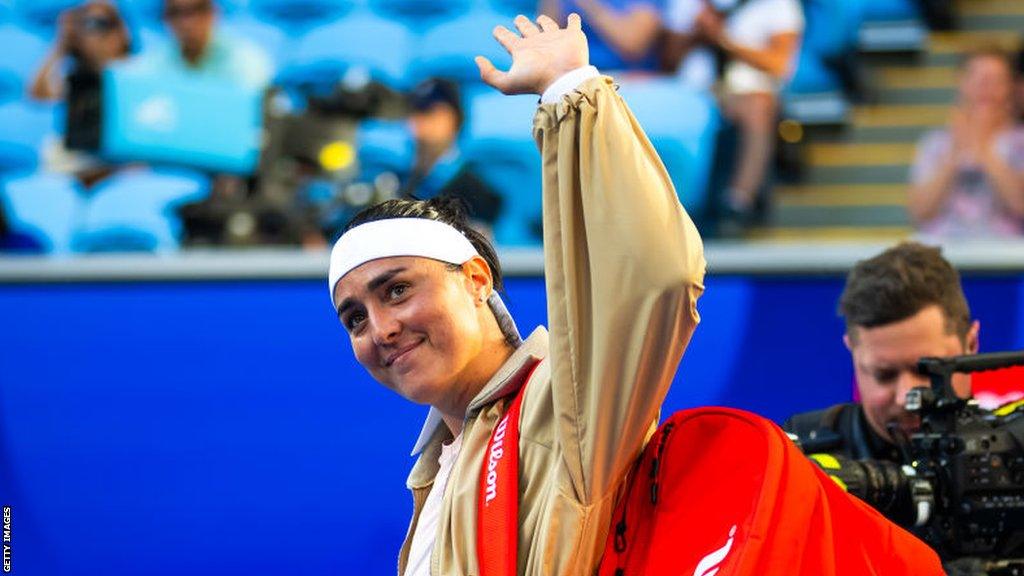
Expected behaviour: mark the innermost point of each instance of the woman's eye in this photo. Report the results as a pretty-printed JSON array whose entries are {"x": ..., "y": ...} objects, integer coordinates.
[{"x": 354, "y": 320}]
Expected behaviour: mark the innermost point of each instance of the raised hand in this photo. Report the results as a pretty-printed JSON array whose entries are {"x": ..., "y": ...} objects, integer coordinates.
[{"x": 539, "y": 55}]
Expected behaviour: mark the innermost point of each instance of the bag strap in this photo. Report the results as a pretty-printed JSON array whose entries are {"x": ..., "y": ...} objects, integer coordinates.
[{"x": 497, "y": 534}]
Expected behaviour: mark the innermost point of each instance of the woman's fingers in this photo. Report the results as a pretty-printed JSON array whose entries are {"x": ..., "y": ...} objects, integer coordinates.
[
  {"x": 506, "y": 38},
  {"x": 525, "y": 27},
  {"x": 547, "y": 24},
  {"x": 490, "y": 74}
]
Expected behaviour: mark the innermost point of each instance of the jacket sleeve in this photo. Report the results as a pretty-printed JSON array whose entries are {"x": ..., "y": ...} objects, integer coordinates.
[{"x": 624, "y": 266}]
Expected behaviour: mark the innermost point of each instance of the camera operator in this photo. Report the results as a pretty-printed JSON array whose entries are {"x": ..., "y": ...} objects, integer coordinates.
[
  {"x": 929, "y": 460},
  {"x": 902, "y": 305}
]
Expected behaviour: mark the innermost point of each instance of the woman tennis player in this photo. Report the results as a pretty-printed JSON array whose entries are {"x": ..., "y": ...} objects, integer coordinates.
[{"x": 417, "y": 291}]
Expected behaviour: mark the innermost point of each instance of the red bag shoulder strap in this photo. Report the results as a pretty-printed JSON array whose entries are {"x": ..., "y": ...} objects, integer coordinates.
[{"x": 498, "y": 500}]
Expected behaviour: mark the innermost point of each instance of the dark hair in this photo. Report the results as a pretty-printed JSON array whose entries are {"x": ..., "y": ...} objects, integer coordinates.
[
  {"x": 112, "y": 13},
  {"x": 201, "y": 5},
  {"x": 447, "y": 209},
  {"x": 434, "y": 91},
  {"x": 899, "y": 283}
]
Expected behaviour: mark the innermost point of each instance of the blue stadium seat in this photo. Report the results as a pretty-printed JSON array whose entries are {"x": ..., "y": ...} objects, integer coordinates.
[
  {"x": 25, "y": 126},
  {"x": 383, "y": 146},
  {"x": 297, "y": 16},
  {"x": 891, "y": 26},
  {"x": 447, "y": 50},
  {"x": 498, "y": 143},
  {"x": 890, "y": 10},
  {"x": 812, "y": 76},
  {"x": 45, "y": 207},
  {"x": 419, "y": 11},
  {"x": 42, "y": 15},
  {"x": 831, "y": 26},
  {"x": 270, "y": 38},
  {"x": 682, "y": 124},
  {"x": 133, "y": 210},
  {"x": 515, "y": 7},
  {"x": 23, "y": 52},
  {"x": 814, "y": 94},
  {"x": 383, "y": 48}
]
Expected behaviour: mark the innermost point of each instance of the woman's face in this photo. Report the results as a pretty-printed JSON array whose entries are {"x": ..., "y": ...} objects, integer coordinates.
[
  {"x": 100, "y": 35},
  {"x": 415, "y": 325},
  {"x": 987, "y": 81}
]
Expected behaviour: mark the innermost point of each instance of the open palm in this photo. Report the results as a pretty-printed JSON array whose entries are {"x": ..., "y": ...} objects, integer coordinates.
[{"x": 540, "y": 55}]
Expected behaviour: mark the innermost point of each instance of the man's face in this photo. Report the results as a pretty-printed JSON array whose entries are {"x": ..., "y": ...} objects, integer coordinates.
[
  {"x": 101, "y": 37},
  {"x": 415, "y": 325},
  {"x": 885, "y": 360},
  {"x": 192, "y": 23},
  {"x": 437, "y": 126}
]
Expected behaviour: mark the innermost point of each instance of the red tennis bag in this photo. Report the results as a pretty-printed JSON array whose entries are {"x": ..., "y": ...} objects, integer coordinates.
[{"x": 725, "y": 492}]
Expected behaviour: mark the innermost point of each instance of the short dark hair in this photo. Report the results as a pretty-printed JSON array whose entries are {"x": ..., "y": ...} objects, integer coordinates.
[
  {"x": 899, "y": 283},
  {"x": 202, "y": 5},
  {"x": 450, "y": 210},
  {"x": 434, "y": 91}
]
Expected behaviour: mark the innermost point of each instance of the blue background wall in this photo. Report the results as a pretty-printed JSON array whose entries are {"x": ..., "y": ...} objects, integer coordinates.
[{"x": 225, "y": 428}]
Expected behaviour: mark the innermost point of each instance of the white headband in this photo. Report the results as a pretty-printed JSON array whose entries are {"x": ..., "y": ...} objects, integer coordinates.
[{"x": 396, "y": 237}]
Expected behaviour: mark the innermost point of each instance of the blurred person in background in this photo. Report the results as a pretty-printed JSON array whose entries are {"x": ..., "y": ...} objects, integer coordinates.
[
  {"x": 204, "y": 51},
  {"x": 623, "y": 34},
  {"x": 967, "y": 180},
  {"x": 749, "y": 47},
  {"x": 89, "y": 38},
  {"x": 440, "y": 169}
]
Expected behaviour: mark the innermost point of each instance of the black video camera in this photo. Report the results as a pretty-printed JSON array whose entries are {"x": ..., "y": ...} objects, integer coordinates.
[{"x": 960, "y": 486}]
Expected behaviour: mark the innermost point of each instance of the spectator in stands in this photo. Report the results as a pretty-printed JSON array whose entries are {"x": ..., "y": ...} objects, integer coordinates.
[
  {"x": 89, "y": 37},
  {"x": 440, "y": 169},
  {"x": 754, "y": 43},
  {"x": 622, "y": 34},
  {"x": 204, "y": 51},
  {"x": 968, "y": 179}
]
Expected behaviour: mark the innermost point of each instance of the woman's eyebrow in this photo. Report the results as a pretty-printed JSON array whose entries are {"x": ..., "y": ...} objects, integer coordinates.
[
  {"x": 383, "y": 278},
  {"x": 371, "y": 286},
  {"x": 345, "y": 305}
]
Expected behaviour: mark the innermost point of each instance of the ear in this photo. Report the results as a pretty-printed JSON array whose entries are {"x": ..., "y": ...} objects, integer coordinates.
[
  {"x": 847, "y": 342},
  {"x": 478, "y": 277},
  {"x": 971, "y": 342}
]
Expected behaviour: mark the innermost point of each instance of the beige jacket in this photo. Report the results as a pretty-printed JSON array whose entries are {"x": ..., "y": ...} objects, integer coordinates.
[{"x": 624, "y": 267}]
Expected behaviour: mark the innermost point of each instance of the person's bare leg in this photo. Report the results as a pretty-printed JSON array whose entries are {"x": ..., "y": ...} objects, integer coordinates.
[{"x": 754, "y": 114}]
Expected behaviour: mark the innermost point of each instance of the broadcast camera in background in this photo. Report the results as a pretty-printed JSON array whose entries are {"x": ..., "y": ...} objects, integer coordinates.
[
  {"x": 960, "y": 486},
  {"x": 309, "y": 174}
]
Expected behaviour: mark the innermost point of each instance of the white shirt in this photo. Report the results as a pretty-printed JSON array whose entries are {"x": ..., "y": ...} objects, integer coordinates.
[
  {"x": 752, "y": 25},
  {"x": 426, "y": 527}
]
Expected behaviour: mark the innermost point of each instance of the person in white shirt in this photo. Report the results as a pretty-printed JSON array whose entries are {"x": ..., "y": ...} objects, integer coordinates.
[{"x": 758, "y": 41}]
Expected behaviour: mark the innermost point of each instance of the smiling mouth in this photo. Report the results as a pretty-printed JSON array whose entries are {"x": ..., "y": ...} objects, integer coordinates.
[{"x": 400, "y": 353}]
